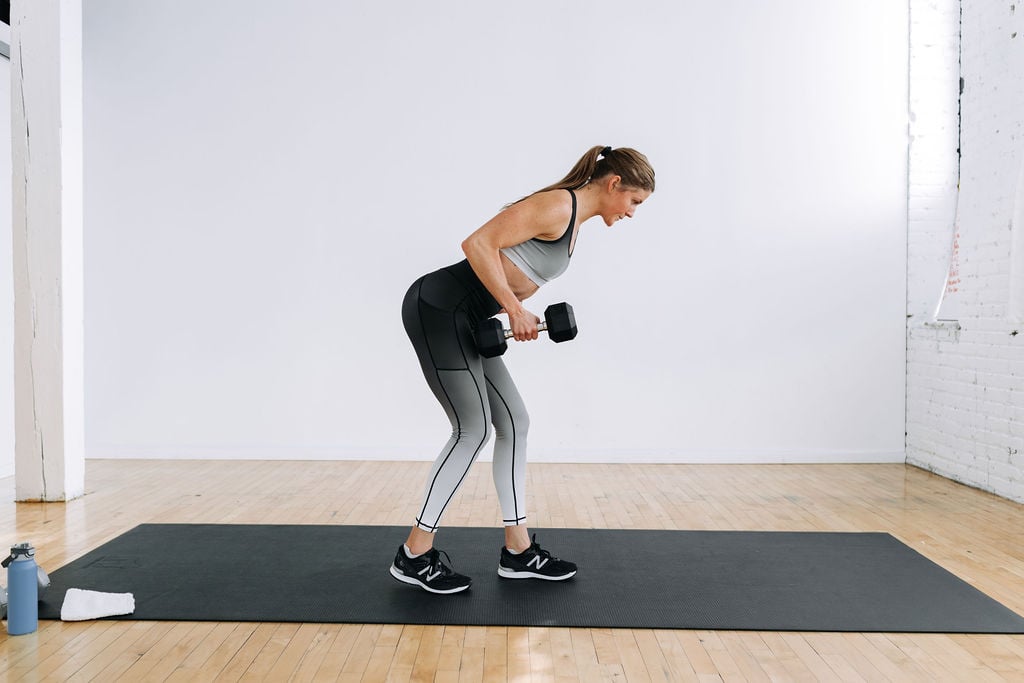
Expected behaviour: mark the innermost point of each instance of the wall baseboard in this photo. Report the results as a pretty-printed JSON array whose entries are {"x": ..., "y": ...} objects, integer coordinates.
[{"x": 653, "y": 456}]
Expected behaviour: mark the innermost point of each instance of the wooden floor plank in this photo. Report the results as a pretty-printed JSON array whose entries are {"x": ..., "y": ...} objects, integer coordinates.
[{"x": 973, "y": 534}]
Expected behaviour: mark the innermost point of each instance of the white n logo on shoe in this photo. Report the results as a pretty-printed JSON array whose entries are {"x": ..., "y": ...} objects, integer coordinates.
[
  {"x": 431, "y": 577},
  {"x": 538, "y": 561}
]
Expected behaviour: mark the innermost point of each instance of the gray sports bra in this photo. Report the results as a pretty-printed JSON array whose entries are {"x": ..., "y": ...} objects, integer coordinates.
[{"x": 544, "y": 260}]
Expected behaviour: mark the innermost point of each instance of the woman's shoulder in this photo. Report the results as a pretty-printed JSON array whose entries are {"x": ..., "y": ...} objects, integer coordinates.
[
  {"x": 548, "y": 213},
  {"x": 549, "y": 205}
]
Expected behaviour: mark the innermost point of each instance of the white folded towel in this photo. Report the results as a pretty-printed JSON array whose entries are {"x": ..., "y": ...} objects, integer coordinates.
[{"x": 80, "y": 605}]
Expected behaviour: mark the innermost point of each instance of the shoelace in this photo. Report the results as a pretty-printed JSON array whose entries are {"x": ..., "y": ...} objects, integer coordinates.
[
  {"x": 535, "y": 547},
  {"x": 436, "y": 565}
]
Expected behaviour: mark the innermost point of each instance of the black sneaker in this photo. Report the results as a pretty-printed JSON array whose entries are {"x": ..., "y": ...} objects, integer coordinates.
[
  {"x": 534, "y": 563},
  {"x": 428, "y": 572}
]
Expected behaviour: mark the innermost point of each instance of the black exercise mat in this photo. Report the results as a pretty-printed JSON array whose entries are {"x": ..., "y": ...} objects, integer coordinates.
[{"x": 772, "y": 581}]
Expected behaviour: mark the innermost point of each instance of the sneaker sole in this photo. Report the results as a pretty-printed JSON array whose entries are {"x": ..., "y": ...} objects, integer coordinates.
[
  {"x": 512, "y": 574},
  {"x": 416, "y": 582}
]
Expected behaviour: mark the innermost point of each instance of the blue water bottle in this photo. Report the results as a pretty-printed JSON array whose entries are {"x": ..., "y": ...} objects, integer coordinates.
[{"x": 22, "y": 590}]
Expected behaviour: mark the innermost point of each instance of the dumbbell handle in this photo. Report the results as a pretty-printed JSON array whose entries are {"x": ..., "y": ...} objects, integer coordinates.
[{"x": 540, "y": 328}]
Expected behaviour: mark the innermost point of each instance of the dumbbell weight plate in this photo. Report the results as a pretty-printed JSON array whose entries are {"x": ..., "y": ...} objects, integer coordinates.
[
  {"x": 44, "y": 581},
  {"x": 561, "y": 322},
  {"x": 490, "y": 338}
]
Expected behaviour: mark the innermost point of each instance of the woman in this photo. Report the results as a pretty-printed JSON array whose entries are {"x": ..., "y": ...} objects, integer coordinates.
[{"x": 526, "y": 245}]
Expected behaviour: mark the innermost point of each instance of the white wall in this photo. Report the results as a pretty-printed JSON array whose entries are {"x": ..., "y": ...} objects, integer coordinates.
[
  {"x": 965, "y": 415},
  {"x": 6, "y": 272},
  {"x": 264, "y": 181}
]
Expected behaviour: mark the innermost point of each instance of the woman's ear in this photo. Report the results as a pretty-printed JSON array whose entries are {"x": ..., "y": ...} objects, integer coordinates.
[{"x": 612, "y": 183}]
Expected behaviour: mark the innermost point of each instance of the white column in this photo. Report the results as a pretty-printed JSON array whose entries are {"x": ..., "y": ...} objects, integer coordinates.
[{"x": 46, "y": 151}]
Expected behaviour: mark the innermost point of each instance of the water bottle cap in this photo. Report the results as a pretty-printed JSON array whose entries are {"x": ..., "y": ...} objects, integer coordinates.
[
  {"x": 18, "y": 550},
  {"x": 25, "y": 549}
]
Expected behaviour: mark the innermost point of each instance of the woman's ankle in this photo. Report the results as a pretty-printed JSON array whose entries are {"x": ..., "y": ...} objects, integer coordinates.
[
  {"x": 419, "y": 541},
  {"x": 517, "y": 538}
]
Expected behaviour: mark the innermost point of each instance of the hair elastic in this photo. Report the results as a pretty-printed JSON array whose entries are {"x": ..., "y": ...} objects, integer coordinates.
[{"x": 606, "y": 151}]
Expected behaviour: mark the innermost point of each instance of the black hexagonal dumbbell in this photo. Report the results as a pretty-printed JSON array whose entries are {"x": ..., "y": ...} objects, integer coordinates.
[{"x": 559, "y": 322}]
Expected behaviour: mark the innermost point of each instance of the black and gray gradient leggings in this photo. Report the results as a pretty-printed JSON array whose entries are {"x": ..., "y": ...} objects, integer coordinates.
[{"x": 440, "y": 311}]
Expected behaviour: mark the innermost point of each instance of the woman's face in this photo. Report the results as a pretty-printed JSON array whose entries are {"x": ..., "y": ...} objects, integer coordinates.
[{"x": 621, "y": 202}]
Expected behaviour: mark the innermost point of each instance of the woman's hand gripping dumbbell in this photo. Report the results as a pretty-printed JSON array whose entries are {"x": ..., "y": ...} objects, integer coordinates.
[{"x": 559, "y": 322}]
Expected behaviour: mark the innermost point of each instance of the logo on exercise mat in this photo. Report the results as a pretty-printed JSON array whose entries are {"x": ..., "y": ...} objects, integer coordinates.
[{"x": 115, "y": 562}]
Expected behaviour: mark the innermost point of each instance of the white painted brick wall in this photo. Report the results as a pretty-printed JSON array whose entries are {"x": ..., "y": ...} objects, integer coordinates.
[
  {"x": 935, "y": 47},
  {"x": 965, "y": 380}
]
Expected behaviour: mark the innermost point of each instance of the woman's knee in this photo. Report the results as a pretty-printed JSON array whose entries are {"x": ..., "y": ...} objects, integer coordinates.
[
  {"x": 474, "y": 432},
  {"x": 512, "y": 419}
]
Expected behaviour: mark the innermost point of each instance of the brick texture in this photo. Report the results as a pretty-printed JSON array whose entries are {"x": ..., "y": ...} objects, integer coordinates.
[{"x": 965, "y": 365}]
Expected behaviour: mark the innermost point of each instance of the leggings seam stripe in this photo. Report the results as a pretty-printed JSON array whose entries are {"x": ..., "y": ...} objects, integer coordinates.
[
  {"x": 458, "y": 422},
  {"x": 483, "y": 407},
  {"x": 512, "y": 468},
  {"x": 476, "y": 451}
]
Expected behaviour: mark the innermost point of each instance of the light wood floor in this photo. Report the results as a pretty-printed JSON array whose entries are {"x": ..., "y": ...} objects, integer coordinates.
[{"x": 976, "y": 535}]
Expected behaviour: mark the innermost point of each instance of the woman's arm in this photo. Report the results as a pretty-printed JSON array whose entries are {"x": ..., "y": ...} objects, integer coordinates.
[{"x": 543, "y": 215}]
